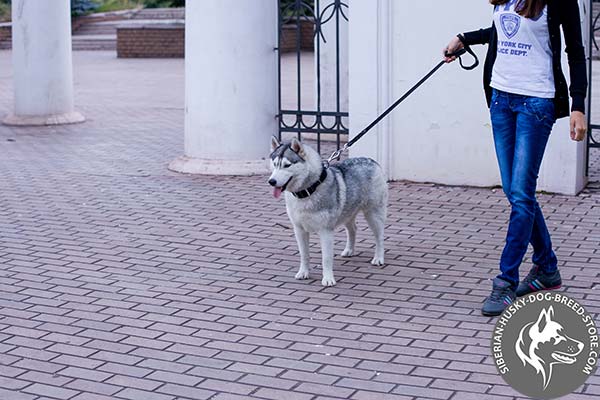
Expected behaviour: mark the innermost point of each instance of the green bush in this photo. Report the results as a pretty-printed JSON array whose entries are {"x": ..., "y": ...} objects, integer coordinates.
[
  {"x": 288, "y": 8},
  {"x": 116, "y": 5},
  {"x": 83, "y": 7},
  {"x": 164, "y": 3},
  {"x": 4, "y": 10}
]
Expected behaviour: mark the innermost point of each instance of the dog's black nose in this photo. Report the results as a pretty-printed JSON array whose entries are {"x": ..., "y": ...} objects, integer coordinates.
[{"x": 272, "y": 182}]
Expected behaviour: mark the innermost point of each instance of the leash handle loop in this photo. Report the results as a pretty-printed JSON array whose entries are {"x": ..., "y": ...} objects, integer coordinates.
[
  {"x": 457, "y": 53},
  {"x": 460, "y": 52}
]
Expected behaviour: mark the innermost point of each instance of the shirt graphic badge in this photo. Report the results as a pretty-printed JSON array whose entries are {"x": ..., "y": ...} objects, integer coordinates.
[{"x": 510, "y": 24}]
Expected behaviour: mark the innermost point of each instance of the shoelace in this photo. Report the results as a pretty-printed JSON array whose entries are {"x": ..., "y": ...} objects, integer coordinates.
[{"x": 498, "y": 293}]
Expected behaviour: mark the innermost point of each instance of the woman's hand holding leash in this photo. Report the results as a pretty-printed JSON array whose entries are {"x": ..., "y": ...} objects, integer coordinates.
[
  {"x": 578, "y": 126},
  {"x": 454, "y": 45}
]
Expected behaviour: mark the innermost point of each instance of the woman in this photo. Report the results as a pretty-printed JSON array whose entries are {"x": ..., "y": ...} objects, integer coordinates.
[{"x": 526, "y": 91}]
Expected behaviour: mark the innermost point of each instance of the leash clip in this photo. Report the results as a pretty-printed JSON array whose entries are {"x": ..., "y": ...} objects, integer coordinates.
[{"x": 336, "y": 155}]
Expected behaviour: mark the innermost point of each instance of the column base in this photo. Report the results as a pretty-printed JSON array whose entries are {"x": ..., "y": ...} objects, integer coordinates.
[
  {"x": 73, "y": 117},
  {"x": 189, "y": 165}
]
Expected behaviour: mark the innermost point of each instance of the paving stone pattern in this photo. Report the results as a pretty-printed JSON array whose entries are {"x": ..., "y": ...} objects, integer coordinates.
[{"x": 122, "y": 280}]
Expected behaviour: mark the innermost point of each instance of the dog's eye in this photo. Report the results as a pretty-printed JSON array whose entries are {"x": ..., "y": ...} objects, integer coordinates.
[
  {"x": 558, "y": 339},
  {"x": 287, "y": 165}
]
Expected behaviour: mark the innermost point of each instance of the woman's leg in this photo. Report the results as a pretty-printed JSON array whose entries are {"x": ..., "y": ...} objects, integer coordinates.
[
  {"x": 535, "y": 118},
  {"x": 504, "y": 126},
  {"x": 543, "y": 255}
]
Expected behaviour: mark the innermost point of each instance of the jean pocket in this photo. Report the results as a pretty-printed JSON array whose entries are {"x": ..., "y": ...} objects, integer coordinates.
[
  {"x": 494, "y": 101},
  {"x": 542, "y": 109},
  {"x": 494, "y": 97}
]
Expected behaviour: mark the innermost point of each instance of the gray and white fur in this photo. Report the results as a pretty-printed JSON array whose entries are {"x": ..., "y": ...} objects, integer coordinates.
[{"x": 351, "y": 186}]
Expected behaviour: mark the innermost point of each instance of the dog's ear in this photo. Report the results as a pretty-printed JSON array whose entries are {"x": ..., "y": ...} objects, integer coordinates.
[
  {"x": 274, "y": 143},
  {"x": 544, "y": 319},
  {"x": 297, "y": 147}
]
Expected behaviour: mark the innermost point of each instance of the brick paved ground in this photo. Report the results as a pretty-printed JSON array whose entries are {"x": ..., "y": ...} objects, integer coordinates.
[{"x": 121, "y": 280}]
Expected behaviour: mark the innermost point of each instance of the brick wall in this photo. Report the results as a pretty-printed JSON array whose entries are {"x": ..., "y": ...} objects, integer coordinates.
[
  {"x": 307, "y": 29},
  {"x": 151, "y": 41},
  {"x": 290, "y": 32},
  {"x": 5, "y": 36}
]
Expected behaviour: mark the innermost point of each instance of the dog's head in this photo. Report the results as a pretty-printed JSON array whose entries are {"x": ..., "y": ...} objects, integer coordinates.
[
  {"x": 292, "y": 165},
  {"x": 544, "y": 343}
]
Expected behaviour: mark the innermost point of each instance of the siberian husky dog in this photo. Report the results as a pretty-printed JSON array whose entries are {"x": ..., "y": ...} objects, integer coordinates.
[{"x": 320, "y": 199}]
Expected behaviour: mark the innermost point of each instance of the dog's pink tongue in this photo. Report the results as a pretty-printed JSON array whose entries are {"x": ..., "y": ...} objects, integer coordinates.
[{"x": 277, "y": 192}]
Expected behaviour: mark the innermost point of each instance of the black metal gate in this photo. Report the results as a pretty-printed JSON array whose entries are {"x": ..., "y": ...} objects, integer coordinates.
[
  {"x": 301, "y": 24},
  {"x": 593, "y": 140}
]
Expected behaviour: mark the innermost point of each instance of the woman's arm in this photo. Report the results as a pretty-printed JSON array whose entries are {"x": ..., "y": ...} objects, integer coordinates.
[
  {"x": 481, "y": 36},
  {"x": 571, "y": 22}
]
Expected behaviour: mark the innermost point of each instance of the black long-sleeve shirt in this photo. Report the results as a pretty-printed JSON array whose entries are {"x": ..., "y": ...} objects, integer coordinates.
[{"x": 563, "y": 13}]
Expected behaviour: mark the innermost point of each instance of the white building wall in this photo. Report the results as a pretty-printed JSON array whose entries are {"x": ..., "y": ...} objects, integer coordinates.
[{"x": 442, "y": 133}]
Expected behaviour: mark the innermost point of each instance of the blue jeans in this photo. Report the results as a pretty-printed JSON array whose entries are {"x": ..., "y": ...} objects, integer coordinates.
[{"x": 521, "y": 126}]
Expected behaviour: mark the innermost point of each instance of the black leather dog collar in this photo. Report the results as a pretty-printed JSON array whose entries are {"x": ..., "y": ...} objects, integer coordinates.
[{"x": 312, "y": 188}]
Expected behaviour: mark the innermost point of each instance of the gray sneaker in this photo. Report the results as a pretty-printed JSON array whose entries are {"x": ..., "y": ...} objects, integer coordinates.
[
  {"x": 538, "y": 280},
  {"x": 501, "y": 297}
]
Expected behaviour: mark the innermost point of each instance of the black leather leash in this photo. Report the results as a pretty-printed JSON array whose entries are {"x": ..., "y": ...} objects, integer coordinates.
[{"x": 336, "y": 154}]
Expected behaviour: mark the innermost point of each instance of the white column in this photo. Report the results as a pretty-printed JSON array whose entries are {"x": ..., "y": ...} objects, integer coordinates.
[
  {"x": 42, "y": 63},
  {"x": 231, "y": 86},
  {"x": 370, "y": 66},
  {"x": 328, "y": 57}
]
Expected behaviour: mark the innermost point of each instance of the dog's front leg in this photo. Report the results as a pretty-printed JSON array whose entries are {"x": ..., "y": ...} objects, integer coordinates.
[
  {"x": 302, "y": 237},
  {"x": 327, "y": 257}
]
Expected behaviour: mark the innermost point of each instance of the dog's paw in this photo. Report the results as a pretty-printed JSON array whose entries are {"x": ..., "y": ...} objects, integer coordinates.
[
  {"x": 302, "y": 274},
  {"x": 377, "y": 261},
  {"x": 328, "y": 281},
  {"x": 347, "y": 253}
]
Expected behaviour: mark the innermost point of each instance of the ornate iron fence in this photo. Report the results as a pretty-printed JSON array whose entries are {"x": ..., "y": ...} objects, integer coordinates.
[{"x": 323, "y": 117}]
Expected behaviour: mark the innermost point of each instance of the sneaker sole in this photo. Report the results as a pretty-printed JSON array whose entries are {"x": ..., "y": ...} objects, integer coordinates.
[
  {"x": 488, "y": 314},
  {"x": 540, "y": 290}
]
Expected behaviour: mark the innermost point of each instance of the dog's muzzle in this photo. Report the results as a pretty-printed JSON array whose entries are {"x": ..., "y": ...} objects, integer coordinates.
[{"x": 277, "y": 190}]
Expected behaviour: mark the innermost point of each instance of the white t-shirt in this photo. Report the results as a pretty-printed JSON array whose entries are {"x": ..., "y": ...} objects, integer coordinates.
[{"x": 524, "y": 60}]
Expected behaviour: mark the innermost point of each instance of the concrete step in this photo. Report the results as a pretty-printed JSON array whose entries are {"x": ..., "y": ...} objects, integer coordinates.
[
  {"x": 110, "y": 27},
  {"x": 148, "y": 22},
  {"x": 95, "y": 42},
  {"x": 97, "y": 29}
]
